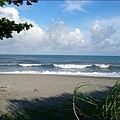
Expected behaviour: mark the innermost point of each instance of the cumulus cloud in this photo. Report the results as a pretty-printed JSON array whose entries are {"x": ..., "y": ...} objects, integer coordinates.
[
  {"x": 99, "y": 34},
  {"x": 60, "y": 38},
  {"x": 10, "y": 13},
  {"x": 102, "y": 39},
  {"x": 57, "y": 37}
]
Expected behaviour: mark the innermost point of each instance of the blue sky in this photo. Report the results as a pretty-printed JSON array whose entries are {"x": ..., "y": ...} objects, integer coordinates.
[
  {"x": 65, "y": 27},
  {"x": 43, "y": 12}
]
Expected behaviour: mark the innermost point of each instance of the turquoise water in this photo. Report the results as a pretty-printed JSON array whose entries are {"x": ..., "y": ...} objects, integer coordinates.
[{"x": 106, "y": 66}]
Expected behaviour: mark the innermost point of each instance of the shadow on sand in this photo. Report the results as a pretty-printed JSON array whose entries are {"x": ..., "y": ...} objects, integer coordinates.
[{"x": 52, "y": 108}]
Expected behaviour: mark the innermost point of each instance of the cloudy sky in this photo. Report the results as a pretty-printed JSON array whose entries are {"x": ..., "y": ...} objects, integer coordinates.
[{"x": 65, "y": 27}]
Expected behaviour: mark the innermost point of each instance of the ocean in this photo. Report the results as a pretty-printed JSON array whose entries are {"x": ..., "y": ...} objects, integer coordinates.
[{"x": 76, "y": 65}]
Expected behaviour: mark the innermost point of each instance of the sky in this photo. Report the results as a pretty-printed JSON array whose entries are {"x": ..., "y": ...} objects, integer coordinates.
[{"x": 65, "y": 28}]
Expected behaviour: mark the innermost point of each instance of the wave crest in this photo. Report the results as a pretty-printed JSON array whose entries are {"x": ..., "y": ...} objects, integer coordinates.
[
  {"x": 103, "y": 66},
  {"x": 71, "y": 66},
  {"x": 29, "y": 65}
]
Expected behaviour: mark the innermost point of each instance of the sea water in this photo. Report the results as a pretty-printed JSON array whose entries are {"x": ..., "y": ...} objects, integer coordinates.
[{"x": 100, "y": 66}]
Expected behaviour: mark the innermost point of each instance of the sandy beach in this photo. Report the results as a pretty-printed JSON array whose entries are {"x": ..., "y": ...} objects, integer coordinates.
[{"x": 24, "y": 90}]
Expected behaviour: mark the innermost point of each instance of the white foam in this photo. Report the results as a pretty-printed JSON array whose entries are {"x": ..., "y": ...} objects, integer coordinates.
[
  {"x": 94, "y": 74},
  {"x": 29, "y": 65},
  {"x": 21, "y": 72},
  {"x": 102, "y": 65},
  {"x": 71, "y": 66}
]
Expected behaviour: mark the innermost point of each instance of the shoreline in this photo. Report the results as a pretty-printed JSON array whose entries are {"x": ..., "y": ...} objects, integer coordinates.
[
  {"x": 32, "y": 90},
  {"x": 65, "y": 75}
]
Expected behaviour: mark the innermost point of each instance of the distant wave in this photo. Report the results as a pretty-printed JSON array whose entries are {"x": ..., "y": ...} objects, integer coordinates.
[
  {"x": 71, "y": 66},
  {"x": 102, "y": 65},
  {"x": 64, "y": 66},
  {"x": 94, "y": 74},
  {"x": 29, "y": 65},
  {"x": 106, "y": 66},
  {"x": 74, "y": 66}
]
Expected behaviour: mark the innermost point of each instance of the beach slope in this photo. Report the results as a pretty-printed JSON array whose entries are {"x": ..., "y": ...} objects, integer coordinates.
[{"x": 25, "y": 90}]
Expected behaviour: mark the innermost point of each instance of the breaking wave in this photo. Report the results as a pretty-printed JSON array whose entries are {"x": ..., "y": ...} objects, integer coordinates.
[
  {"x": 29, "y": 65},
  {"x": 102, "y": 65},
  {"x": 71, "y": 66}
]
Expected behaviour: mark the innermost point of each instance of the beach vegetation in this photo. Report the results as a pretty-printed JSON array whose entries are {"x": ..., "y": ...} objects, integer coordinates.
[
  {"x": 7, "y": 26},
  {"x": 86, "y": 106}
]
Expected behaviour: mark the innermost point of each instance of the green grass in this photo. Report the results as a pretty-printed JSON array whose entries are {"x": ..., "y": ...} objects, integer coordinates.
[{"x": 88, "y": 107}]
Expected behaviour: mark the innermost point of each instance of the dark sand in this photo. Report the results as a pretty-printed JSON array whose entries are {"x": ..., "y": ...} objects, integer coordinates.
[{"x": 19, "y": 91}]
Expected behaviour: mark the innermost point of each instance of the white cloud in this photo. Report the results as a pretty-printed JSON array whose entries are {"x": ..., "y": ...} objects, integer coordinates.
[
  {"x": 10, "y": 13},
  {"x": 74, "y": 5},
  {"x": 103, "y": 39},
  {"x": 115, "y": 22},
  {"x": 61, "y": 39},
  {"x": 100, "y": 34},
  {"x": 58, "y": 37}
]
